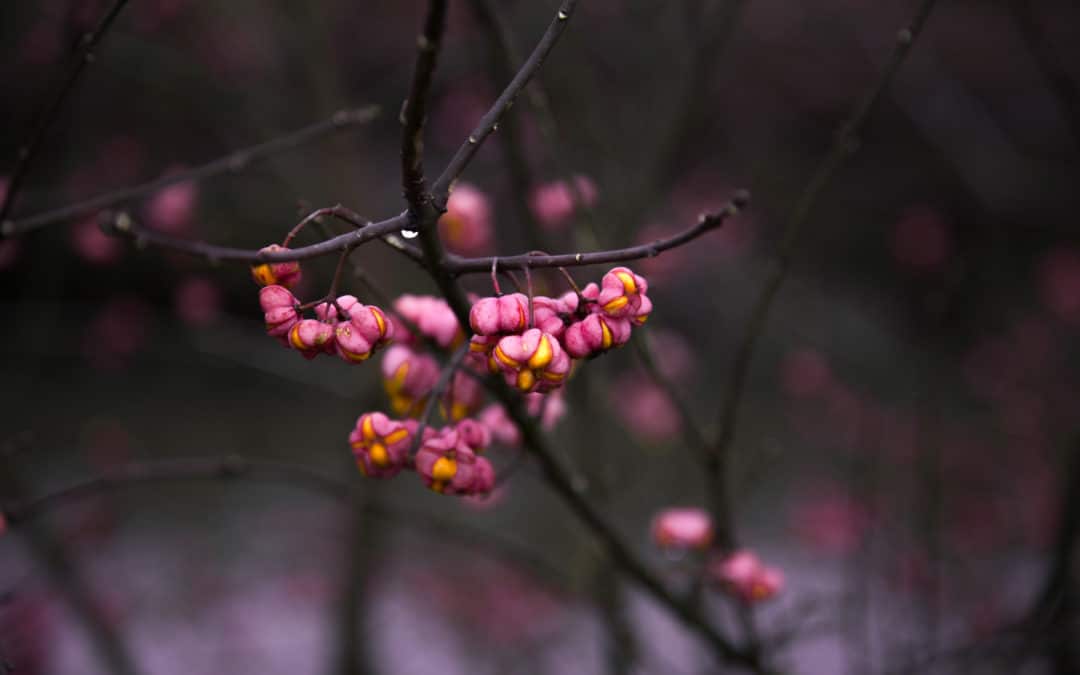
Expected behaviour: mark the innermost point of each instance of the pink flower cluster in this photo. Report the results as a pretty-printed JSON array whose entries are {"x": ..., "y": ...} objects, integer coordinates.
[
  {"x": 534, "y": 346},
  {"x": 344, "y": 326},
  {"x": 739, "y": 573}
]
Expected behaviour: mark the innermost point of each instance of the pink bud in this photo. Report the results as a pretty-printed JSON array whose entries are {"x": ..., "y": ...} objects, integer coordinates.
[
  {"x": 93, "y": 245},
  {"x": 473, "y": 434},
  {"x": 282, "y": 273},
  {"x": 532, "y": 361},
  {"x": 743, "y": 575},
  {"x": 682, "y": 528},
  {"x": 361, "y": 331},
  {"x": 446, "y": 465},
  {"x": 198, "y": 301},
  {"x": 550, "y": 408},
  {"x": 408, "y": 378},
  {"x": 380, "y": 445},
  {"x": 463, "y": 397},
  {"x": 500, "y": 315},
  {"x": 279, "y": 306},
  {"x": 310, "y": 337},
  {"x": 548, "y": 314},
  {"x": 466, "y": 226},
  {"x": 500, "y": 425},
  {"x": 594, "y": 335},
  {"x": 621, "y": 294},
  {"x": 484, "y": 477},
  {"x": 553, "y": 203},
  {"x": 432, "y": 316}
]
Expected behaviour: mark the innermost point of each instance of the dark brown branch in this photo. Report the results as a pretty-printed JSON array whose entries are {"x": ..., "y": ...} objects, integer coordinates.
[
  {"x": 458, "y": 266},
  {"x": 84, "y": 55},
  {"x": 490, "y": 120},
  {"x": 414, "y": 112},
  {"x": 123, "y": 225},
  {"x": 231, "y": 163},
  {"x": 843, "y": 146}
]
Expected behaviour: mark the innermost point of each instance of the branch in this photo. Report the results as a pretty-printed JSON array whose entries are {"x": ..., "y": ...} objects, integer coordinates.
[
  {"x": 490, "y": 120},
  {"x": 231, "y": 163},
  {"x": 843, "y": 146},
  {"x": 235, "y": 468},
  {"x": 123, "y": 224},
  {"x": 458, "y": 265},
  {"x": 27, "y": 153},
  {"x": 414, "y": 112}
]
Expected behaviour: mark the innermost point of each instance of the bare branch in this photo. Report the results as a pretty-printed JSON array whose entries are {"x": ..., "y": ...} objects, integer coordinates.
[
  {"x": 490, "y": 120},
  {"x": 231, "y": 163},
  {"x": 84, "y": 55},
  {"x": 414, "y": 112},
  {"x": 844, "y": 145}
]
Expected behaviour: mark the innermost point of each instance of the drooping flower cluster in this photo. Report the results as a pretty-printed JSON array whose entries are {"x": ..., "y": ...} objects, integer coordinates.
[{"x": 344, "y": 326}]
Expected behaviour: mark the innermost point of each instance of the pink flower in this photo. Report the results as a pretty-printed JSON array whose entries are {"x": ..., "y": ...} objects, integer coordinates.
[
  {"x": 380, "y": 445},
  {"x": 743, "y": 575},
  {"x": 171, "y": 209},
  {"x": 447, "y": 465},
  {"x": 554, "y": 203},
  {"x": 93, "y": 245},
  {"x": 533, "y": 361},
  {"x": 682, "y": 528},
  {"x": 279, "y": 307},
  {"x": 198, "y": 301},
  {"x": 311, "y": 337},
  {"x": 408, "y": 378},
  {"x": 365, "y": 329},
  {"x": 594, "y": 335},
  {"x": 432, "y": 316},
  {"x": 466, "y": 226},
  {"x": 285, "y": 274},
  {"x": 501, "y": 315}
]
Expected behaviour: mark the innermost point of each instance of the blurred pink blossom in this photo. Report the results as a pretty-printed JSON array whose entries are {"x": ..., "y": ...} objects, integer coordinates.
[
  {"x": 805, "y": 372},
  {"x": 831, "y": 522},
  {"x": 644, "y": 408},
  {"x": 171, "y": 209},
  {"x": 922, "y": 238},
  {"x": 9, "y": 253},
  {"x": 197, "y": 301},
  {"x": 116, "y": 333},
  {"x": 1059, "y": 283},
  {"x": 682, "y": 528},
  {"x": 466, "y": 227},
  {"x": 93, "y": 245},
  {"x": 554, "y": 203}
]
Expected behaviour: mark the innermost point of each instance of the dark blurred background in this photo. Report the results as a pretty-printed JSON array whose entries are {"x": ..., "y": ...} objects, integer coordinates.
[{"x": 903, "y": 448}]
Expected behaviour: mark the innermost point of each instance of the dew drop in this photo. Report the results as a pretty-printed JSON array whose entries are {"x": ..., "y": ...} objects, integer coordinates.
[
  {"x": 563, "y": 16},
  {"x": 410, "y": 234}
]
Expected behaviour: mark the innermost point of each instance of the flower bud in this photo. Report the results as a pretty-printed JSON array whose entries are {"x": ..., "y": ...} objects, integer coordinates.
[
  {"x": 532, "y": 361},
  {"x": 380, "y": 445},
  {"x": 594, "y": 335},
  {"x": 682, "y": 528},
  {"x": 446, "y": 465},
  {"x": 408, "y": 378},
  {"x": 285, "y": 274},
  {"x": 279, "y": 310},
  {"x": 501, "y": 315},
  {"x": 310, "y": 337},
  {"x": 743, "y": 575}
]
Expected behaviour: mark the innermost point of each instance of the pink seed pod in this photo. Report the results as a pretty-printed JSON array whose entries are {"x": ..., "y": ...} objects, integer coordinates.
[
  {"x": 553, "y": 203},
  {"x": 550, "y": 408},
  {"x": 532, "y": 361},
  {"x": 380, "y": 445},
  {"x": 364, "y": 329},
  {"x": 621, "y": 292},
  {"x": 446, "y": 465},
  {"x": 432, "y": 316},
  {"x": 483, "y": 477},
  {"x": 501, "y": 315},
  {"x": 473, "y": 434},
  {"x": 462, "y": 398},
  {"x": 285, "y": 274},
  {"x": 408, "y": 379},
  {"x": 682, "y": 528},
  {"x": 279, "y": 308},
  {"x": 502, "y": 428},
  {"x": 744, "y": 576},
  {"x": 310, "y": 337},
  {"x": 548, "y": 314},
  {"x": 466, "y": 227},
  {"x": 479, "y": 357},
  {"x": 594, "y": 335}
]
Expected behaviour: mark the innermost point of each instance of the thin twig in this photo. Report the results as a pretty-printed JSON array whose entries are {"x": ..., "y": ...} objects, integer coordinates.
[
  {"x": 694, "y": 435},
  {"x": 414, "y": 112},
  {"x": 437, "y": 391},
  {"x": 843, "y": 146},
  {"x": 490, "y": 120},
  {"x": 231, "y": 163},
  {"x": 84, "y": 56}
]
